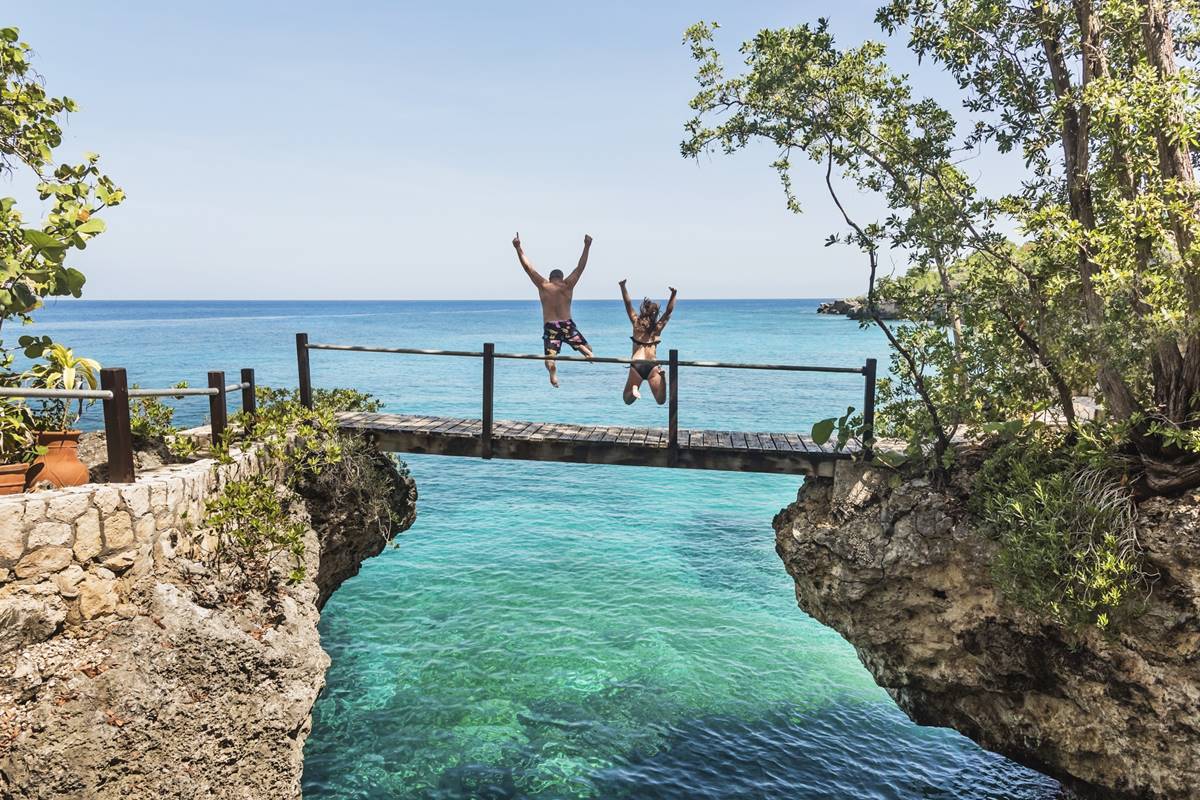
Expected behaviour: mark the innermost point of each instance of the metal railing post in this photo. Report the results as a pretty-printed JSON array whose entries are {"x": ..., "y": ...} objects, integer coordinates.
[
  {"x": 249, "y": 402},
  {"x": 117, "y": 433},
  {"x": 673, "y": 406},
  {"x": 869, "y": 409},
  {"x": 489, "y": 380},
  {"x": 217, "y": 405},
  {"x": 306, "y": 399}
]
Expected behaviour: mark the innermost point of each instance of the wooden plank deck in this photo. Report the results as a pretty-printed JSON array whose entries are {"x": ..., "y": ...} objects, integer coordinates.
[{"x": 738, "y": 451}]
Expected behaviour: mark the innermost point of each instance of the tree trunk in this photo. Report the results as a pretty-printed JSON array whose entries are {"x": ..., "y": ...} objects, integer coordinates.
[{"x": 1118, "y": 397}]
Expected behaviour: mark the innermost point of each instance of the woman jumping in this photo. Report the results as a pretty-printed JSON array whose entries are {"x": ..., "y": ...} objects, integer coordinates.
[{"x": 647, "y": 327}]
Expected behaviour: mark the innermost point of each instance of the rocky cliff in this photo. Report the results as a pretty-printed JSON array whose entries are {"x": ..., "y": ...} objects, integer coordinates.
[
  {"x": 856, "y": 308},
  {"x": 128, "y": 670},
  {"x": 899, "y": 571}
]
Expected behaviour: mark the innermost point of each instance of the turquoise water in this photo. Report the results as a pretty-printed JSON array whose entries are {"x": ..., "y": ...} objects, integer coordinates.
[{"x": 562, "y": 631}]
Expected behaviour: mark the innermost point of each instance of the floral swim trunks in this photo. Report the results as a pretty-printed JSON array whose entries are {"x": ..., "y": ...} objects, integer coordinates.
[{"x": 556, "y": 332}]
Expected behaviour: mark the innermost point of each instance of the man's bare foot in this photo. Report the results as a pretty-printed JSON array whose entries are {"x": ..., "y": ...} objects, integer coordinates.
[
  {"x": 554, "y": 378},
  {"x": 633, "y": 390}
]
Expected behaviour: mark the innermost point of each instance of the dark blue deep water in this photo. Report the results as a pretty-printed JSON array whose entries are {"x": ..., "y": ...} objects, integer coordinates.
[{"x": 573, "y": 631}]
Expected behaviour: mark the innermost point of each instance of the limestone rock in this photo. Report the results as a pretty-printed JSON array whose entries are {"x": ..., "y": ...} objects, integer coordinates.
[
  {"x": 118, "y": 530},
  {"x": 903, "y": 576},
  {"x": 857, "y": 308},
  {"x": 97, "y": 596},
  {"x": 26, "y": 620},
  {"x": 68, "y": 506},
  {"x": 88, "y": 543},
  {"x": 12, "y": 532},
  {"x": 43, "y": 561},
  {"x": 50, "y": 534},
  {"x": 158, "y": 687},
  {"x": 68, "y": 580}
]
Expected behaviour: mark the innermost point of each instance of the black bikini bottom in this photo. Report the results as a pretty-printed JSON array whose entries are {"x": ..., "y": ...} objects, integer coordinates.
[{"x": 643, "y": 368}]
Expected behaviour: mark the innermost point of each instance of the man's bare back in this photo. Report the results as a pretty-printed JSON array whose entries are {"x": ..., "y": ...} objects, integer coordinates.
[
  {"x": 556, "y": 293},
  {"x": 556, "y": 300}
]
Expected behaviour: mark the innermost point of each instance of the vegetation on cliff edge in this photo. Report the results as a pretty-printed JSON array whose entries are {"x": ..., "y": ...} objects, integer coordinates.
[{"x": 1093, "y": 107}]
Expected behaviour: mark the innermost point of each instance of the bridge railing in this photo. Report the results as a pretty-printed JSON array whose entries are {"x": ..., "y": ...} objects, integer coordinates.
[
  {"x": 489, "y": 355},
  {"x": 116, "y": 393}
]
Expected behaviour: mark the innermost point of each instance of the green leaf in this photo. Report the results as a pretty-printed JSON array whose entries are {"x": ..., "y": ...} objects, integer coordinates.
[
  {"x": 890, "y": 458},
  {"x": 74, "y": 280},
  {"x": 92, "y": 226},
  {"x": 821, "y": 431},
  {"x": 42, "y": 240}
]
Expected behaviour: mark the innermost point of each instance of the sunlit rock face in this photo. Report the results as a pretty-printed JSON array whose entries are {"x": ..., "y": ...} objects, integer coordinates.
[
  {"x": 898, "y": 569},
  {"x": 129, "y": 668}
]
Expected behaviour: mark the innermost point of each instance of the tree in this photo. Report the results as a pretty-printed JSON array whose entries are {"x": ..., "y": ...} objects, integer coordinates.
[
  {"x": 1105, "y": 288},
  {"x": 34, "y": 260}
]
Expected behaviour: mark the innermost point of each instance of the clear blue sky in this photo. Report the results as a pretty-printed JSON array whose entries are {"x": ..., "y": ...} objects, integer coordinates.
[{"x": 390, "y": 149}]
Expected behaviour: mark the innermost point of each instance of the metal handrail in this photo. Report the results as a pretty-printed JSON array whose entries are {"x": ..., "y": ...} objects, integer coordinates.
[
  {"x": 672, "y": 363},
  {"x": 104, "y": 394},
  {"x": 189, "y": 391},
  {"x": 116, "y": 394},
  {"x": 595, "y": 360},
  {"x": 56, "y": 394}
]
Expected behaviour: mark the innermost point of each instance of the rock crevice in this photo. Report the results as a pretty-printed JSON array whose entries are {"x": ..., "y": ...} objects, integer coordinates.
[{"x": 899, "y": 570}]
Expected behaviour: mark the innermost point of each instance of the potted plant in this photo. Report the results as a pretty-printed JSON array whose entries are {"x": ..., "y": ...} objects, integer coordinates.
[
  {"x": 17, "y": 445},
  {"x": 59, "y": 463}
]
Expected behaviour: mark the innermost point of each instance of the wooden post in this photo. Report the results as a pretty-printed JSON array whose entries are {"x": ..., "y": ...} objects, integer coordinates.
[
  {"x": 489, "y": 380},
  {"x": 673, "y": 406},
  {"x": 117, "y": 433},
  {"x": 869, "y": 409},
  {"x": 302, "y": 364},
  {"x": 249, "y": 402},
  {"x": 216, "y": 405}
]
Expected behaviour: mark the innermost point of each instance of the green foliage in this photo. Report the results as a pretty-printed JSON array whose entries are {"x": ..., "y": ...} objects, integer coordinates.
[
  {"x": 17, "y": 441},
  {"x": 62, "y": 369},
  {"x": 1102, "y": 295},
  {"x": 34, "y": 259},
  {"x": 150, "y": 422},
  {"x": 252, "y": 518},
  {"x": 1066, "y": 529},
  {"x": 848, "y": 426},
  {"x": 254, "y": 526}
]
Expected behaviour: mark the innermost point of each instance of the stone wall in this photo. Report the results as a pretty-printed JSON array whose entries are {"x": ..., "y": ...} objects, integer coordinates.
[{"x": 77, "y": 551}]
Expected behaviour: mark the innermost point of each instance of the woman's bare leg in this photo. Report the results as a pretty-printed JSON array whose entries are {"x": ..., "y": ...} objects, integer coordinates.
[
  {"x": 658, "y": 385},
  {"x": 631, "y": 386}
]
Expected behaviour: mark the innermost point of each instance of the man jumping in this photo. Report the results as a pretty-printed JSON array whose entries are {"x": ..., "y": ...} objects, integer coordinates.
[{"x": 555, "y": 295}]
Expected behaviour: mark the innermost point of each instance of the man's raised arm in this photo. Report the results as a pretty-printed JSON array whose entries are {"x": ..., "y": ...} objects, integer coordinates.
[
  {"x": 577, "y": 273},
  {"x": 537, "y": 279}
]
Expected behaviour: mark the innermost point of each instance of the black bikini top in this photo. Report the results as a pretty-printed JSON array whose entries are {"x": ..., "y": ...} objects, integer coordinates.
[{"x": 636, "y": 340}]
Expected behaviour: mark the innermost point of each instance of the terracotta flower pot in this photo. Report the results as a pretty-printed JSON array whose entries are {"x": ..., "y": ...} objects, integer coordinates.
[
  {"x": 12, "y": 478},
  {"x": 60, "y": 465}
]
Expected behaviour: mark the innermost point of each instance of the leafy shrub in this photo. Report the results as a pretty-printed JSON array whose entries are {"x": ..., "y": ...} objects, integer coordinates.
[
  {"x": 253, "y": 518},
  {"x": 253, "y": 525},
  {"x": 150, "y": 421},
  {"x": 1066, "y": 525}
]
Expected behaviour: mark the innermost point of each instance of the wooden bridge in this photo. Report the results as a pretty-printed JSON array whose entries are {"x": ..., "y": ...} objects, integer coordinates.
[{"x": 485, "y": 437}]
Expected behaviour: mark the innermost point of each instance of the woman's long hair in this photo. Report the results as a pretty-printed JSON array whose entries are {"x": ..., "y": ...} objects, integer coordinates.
[{"x": 647, "y": 321}]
